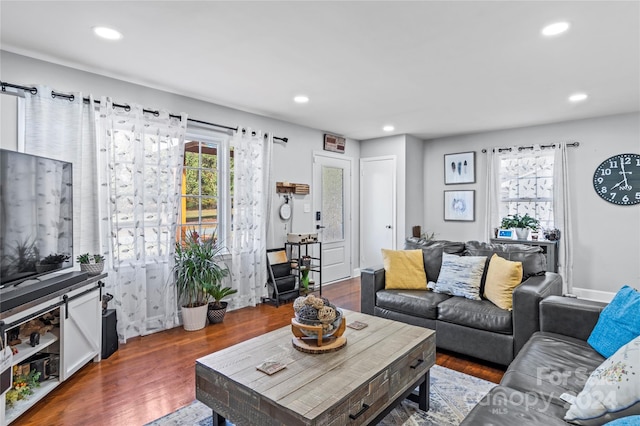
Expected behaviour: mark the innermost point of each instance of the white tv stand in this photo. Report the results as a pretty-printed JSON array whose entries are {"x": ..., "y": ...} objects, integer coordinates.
[{"x": 76, "y": 342}]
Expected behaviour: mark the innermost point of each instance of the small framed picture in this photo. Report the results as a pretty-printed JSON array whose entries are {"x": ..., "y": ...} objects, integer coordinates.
[
  {"x": 334, "y": 143},
  {"x": 459, "y": 206},
  {"x": 460, "y": 168}
]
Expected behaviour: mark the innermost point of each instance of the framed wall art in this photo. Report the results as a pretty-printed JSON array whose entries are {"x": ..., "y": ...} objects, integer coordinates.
[
  {"x": 459, "y": 206},
  {"x": 334, "y": 143},
  {"x": 460, "y": 168}
]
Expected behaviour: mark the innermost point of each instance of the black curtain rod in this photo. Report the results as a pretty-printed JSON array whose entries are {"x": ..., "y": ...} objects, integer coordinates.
[
  {"x": 34, "y": 90},
  {"x": 522, "y": 148}
]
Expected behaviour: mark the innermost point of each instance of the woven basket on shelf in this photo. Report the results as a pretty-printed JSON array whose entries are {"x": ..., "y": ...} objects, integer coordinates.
[{"x": 92, "y": 268}]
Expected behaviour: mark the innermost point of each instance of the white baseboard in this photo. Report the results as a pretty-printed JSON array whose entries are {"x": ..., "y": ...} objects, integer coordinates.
[{"x": 597, "y": 295}]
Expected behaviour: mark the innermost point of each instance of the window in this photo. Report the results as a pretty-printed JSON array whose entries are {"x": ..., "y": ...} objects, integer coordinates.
[
  {"x": 207, "y": 185},
  {"x": 526, "y": 184}
]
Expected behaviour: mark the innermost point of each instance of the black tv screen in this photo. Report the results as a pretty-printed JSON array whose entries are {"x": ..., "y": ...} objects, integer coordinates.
[{"x": 36, "y": 216}]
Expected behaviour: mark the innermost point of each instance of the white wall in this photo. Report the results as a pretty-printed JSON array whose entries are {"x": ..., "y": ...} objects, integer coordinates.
[
  {"x": 414, "y": 184},
  {"x": 606, "y": 236},
  {"x": 291, "y": 162}
]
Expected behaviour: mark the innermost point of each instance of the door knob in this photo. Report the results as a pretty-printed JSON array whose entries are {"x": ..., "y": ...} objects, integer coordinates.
[
  {"x": 388, "y": 226},
  {"x": 320, "y": 226}
]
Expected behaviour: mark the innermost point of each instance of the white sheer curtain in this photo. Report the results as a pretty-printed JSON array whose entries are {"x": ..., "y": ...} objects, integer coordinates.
[
  {"x": 562, "y": 215},
  {"x": 64, "y": 129},
  {"x": 252, "y": 170},
  {"x": 141, "y": 157},
  {"x": 492, "y": 208}
]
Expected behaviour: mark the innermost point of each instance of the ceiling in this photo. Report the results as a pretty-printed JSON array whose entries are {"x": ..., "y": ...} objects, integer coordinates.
[{"x": 429, "y": 68}]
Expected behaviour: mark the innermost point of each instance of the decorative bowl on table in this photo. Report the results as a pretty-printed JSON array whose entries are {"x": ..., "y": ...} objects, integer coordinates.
[{"x": 316, "y": 311}]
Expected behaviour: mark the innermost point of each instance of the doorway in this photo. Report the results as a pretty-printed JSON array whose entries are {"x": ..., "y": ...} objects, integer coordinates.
[
  {"x": 377, "y": 208},
  {"x": 332, "y": 214}
]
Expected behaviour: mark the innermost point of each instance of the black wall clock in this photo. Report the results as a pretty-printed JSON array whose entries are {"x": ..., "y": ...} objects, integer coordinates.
[{"x": 617, "y": 179}]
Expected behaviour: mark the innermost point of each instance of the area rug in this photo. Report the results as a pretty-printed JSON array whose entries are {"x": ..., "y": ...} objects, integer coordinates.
[{"x": 452, "y": 396}]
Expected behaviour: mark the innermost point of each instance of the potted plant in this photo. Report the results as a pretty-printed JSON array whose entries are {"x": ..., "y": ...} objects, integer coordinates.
[
  {"x": 522, "y": 224},
  {"x": 217, "y": 308},
  {"x": 92, "y": 264},
  {"x": 196, "y": 268},
  {"x": 52, "y": 262}
]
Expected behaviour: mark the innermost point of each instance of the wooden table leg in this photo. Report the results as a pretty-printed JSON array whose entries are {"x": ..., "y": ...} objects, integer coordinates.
[
  {"x": 423, "y": 394},
  {"x": 218, "y": 420}
]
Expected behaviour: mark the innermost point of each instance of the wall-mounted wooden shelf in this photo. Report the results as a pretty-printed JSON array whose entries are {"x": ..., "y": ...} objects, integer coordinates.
[{"x": 295, "y": 188}]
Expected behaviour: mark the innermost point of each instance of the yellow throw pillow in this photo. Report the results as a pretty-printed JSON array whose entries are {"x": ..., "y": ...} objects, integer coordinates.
[
  {"x": 503, "y": 277},
  {"x": 404, "y": 270}
]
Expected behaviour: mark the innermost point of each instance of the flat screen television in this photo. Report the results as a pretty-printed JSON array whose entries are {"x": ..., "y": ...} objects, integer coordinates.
[{"x": 36, "y": 216}]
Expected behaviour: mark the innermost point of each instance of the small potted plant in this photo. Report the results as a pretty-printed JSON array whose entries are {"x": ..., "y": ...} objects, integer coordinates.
[
  {"x": 217, "y": 309},
  {"x": 52, "y": 262},
  {"x": 522, "y": 224},
  {"x": 93, "y": 264}
]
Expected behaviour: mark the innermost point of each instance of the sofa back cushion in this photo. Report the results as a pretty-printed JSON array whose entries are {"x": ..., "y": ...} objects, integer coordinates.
[
  {"x": 533, "y": 260},
  {"x": 432, "y": 253},
  {"x": 403, "y": 269}
]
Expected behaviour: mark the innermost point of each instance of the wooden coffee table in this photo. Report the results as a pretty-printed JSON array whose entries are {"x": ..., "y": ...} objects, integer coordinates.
[{"x": 359, "y": 384}]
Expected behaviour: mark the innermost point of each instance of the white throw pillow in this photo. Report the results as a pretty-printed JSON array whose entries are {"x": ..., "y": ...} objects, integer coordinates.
[
  {"x": 612, "y": 391},
  {"x": 460, "y": 276}
]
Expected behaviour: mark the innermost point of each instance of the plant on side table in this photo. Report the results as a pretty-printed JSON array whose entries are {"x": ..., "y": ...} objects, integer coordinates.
[
  {"x": 522, "y": 224},
  {"x": 93, "y": 264},
  {"x": 197, "y": 267}
]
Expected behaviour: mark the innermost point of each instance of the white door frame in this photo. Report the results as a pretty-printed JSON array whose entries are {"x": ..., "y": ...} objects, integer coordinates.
[{"x": 347, "y": 187}]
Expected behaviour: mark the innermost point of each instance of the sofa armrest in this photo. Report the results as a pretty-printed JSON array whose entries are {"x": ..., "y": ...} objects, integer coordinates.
[
  {"x": 371, "y": 281},
  {"x": 569, "y": 316},
  {"x": 526, "y": 300}
]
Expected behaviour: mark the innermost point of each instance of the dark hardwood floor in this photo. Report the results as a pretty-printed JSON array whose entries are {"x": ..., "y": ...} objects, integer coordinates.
[{"x": 154, "y": 375}]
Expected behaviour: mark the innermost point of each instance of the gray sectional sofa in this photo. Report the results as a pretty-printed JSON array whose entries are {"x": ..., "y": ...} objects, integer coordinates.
[
  {"x": 476, "y": 328},
  {"x": 555, "y": 361}
]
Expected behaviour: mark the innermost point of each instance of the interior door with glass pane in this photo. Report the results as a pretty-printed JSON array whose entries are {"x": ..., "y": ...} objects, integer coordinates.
[{"x": 332, "y": 214}]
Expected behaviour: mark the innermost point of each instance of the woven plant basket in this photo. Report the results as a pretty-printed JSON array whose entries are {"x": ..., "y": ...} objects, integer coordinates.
[
  {"x": 216, "y": 315},
  {"x": 92, "y": 268}
]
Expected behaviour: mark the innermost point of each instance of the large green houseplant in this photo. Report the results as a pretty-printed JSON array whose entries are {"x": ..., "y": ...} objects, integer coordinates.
[{"x": 198, "y": 266}]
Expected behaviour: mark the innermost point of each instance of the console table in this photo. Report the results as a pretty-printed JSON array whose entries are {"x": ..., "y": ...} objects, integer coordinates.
[{"x": 549, "y": 248}]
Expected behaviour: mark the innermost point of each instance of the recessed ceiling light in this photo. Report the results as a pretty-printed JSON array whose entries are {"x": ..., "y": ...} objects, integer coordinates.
[
  {"x": 577, "y": 97},
  {"x": 555, "y": 29},
  {"x": 301, "y": 99},
  {"x": 107, "y": 33},
  {"x": 388, "y": 128}
]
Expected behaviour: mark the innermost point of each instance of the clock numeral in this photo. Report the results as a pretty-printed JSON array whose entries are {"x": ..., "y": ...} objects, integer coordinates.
[
  {"x": 613, "y": 164},
  {"x": 613, "y": 195},
  {"x": 637, "y": 195},
  {"x": 637, "y": 162},
  {"x": 627, "y": 160},
  {"x": 603, "y": 189},
  {"x": 600, "y": 180},
  {"x": 625, "y": 198},
  {"x": 606, "y": 172}
]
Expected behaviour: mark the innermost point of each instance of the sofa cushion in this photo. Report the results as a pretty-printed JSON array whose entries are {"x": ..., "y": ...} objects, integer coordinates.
[
  {"x": 460, "y": 276},
  {"x": 432, "y": 253},
  {"x": 503, "y": 277},
  {"x": 403, "y": 269},
  {"x": 612, "y": 391},
  {"x": 480, "y": 314},
  {"x": 618, "y": 324},
  {"x": 420, "y": 303},
  {"x": 551, "y": 364},
  {"x": 533, "y": 260}
]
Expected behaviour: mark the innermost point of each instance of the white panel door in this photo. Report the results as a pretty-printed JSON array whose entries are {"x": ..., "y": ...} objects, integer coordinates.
[
  {"x": 377, "y": 208},
  {"x": 81, "y": 329},
  {"x": 332, "y": 214}
]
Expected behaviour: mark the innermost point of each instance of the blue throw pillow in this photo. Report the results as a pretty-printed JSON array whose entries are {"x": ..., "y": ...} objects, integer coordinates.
[
  {"x": 619, "y": 323},
  {"x": 625, "y": 421}
]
